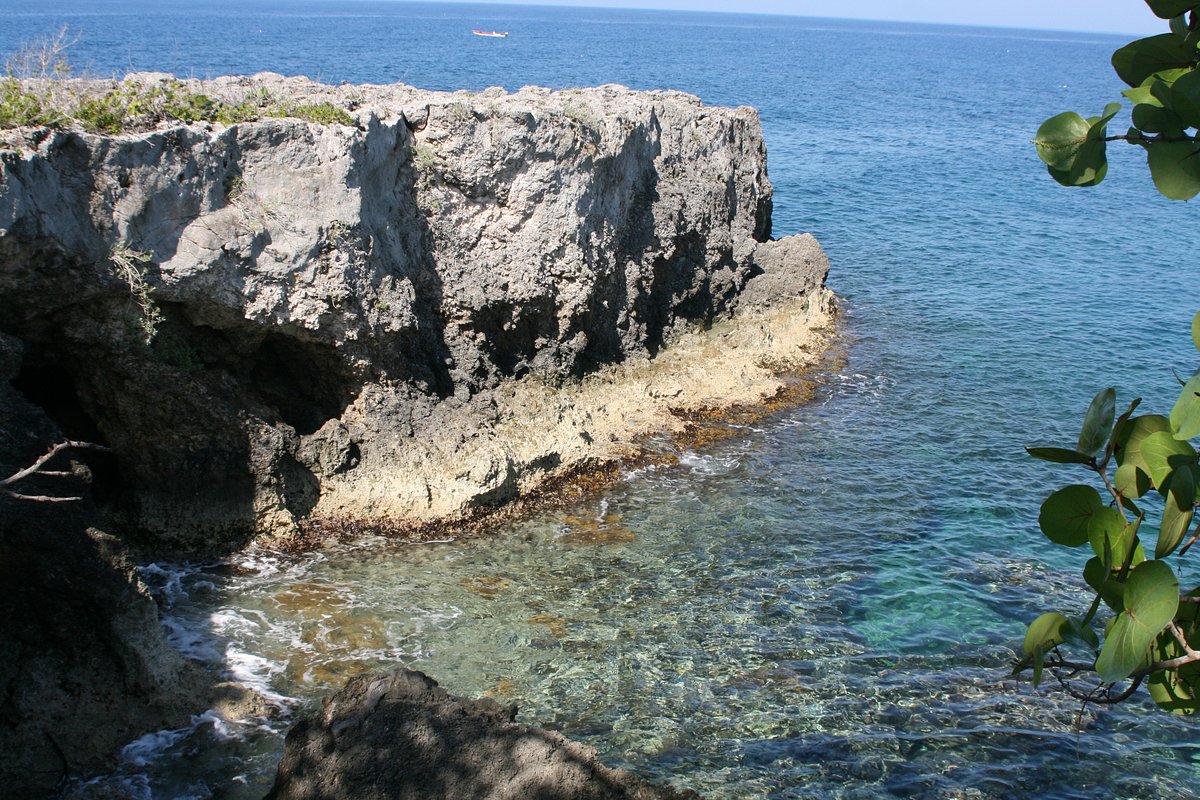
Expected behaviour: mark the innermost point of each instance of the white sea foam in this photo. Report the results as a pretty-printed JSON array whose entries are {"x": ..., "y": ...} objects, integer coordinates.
[
  {"x": 749, "y": 428},
  {"x": 231, "y": 622},
  {"x": 708, "y": 464},
  {"x": 642, "y": 472},
  {"x": 257, "y": 673},
  {"x": 165, "y": 581},
  {"x": 191, "y": 643},
  {"x": 150, "y": 747}
]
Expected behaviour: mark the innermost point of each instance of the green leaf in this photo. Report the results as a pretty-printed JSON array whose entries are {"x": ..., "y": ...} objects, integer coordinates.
[
  {"x": 1065, "y": 515},
  {"x": 1074, "y": 148},
  {"x": 1111, "y": 537},
  {"x": 1185, "y": 416},
  {"x": 1162, "y": 453},
  {"x": 1131, "y": 481},
  {"x": 1097, "y": 424},
  {"x": 1128, "y": 440},
  {"x": 1059, "y": 138},
  {"x": 1151, "y": 598},
  {"x": 1161, "y": 82},
  {"x": 1100, "y": 577},
  {"x": 1156, "y": 119},
  {"x": 1175, "y": 168},
  {"x": 1166, "y": 9},
  {"x": 1044, "y": 632},
  {"x": 1075, "y": 633},
  {"x": 1097, "y": 126},
  {"x": 1059, "y": 455},
  {"x": 1185, "y": 98},
  {"x": 1142, "y": 58},
  {"x": 1177, "y": 690},
  {"x": 1179, "y": 25},
  {"x": 1196, "y": 331},
  {"x": 1120, "y": 425},
  {"x": 1089, "y": 170},
  {"x": 1177, "y": 512},
  {"x": 1143, "y": 95}
]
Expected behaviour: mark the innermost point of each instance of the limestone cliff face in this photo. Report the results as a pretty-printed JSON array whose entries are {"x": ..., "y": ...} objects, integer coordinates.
[{"x": 397, "y": 318}]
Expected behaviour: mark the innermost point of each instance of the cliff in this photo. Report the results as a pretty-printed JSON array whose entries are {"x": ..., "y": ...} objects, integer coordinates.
[
  {"x": 418, "y": 316},
  {"x": 416, "y": 309}
]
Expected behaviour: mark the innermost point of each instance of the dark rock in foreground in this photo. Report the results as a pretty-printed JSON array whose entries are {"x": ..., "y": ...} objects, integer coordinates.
[
  {"x": 398, "y": 735},
  {"x": 84, "y": 667}
]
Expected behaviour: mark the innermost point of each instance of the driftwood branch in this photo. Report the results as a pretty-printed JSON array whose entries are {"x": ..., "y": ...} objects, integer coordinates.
[{"x": 35, "y": 469}]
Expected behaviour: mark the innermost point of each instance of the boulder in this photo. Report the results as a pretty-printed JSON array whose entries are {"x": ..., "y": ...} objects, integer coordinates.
[{"x": 398, "y": 735}]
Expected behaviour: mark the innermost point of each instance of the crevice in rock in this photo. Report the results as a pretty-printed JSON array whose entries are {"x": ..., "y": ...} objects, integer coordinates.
[
  {"x": 515, "y": 332},
  {"x": 306, "y": 383},
  {"x": 674, "y": 293}
]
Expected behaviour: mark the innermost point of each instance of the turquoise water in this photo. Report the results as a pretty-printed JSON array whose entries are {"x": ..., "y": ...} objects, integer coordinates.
[{"x": 826, "y": 605}]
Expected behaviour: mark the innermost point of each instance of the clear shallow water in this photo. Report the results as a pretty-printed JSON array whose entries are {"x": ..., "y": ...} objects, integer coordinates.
[{"x": 825, "y": 606}]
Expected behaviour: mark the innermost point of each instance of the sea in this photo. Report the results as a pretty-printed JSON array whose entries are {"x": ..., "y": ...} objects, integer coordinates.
[{"x": 828, "y": 603}]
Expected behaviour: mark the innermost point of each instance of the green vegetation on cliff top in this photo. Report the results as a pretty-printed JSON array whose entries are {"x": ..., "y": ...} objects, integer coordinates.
[
  {"x": 131, "y": 106},
  {"x": 35, "y": 91}
]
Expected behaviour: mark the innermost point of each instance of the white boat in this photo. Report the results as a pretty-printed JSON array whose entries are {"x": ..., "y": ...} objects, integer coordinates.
[{"x": 493, "y": 34}]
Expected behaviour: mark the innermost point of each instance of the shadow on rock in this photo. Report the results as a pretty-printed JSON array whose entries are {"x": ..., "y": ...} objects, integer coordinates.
[{"x": 398, "y": 735}]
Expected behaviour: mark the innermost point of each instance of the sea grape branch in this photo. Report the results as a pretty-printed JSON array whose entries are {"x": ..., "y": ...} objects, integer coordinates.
[{"x": 1164, "y": 89}]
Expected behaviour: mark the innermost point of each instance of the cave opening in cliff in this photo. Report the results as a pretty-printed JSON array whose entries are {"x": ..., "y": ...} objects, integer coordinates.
[{"x": 307, "y": 383}]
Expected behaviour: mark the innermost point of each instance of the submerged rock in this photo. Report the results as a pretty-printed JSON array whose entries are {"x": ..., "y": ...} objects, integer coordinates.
[{"x": 399, "y": 736}]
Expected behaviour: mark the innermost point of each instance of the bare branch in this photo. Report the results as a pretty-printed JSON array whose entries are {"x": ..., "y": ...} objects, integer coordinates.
[
  {"x": 44, "y": 57},
  {"x": 36, "y": 469},
  {"x": 1181, "y": 639},
  {"x": 1062, "y": 663},
  {"x": 1140, "y": 139},
  {"x": 40, "y": 498},
  {"x": 1101, "y": 694}
]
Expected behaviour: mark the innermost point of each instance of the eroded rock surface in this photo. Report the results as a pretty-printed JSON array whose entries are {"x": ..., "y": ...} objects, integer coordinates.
[
  {"x": 416, "y": 317},
  {"x": 400, "y": 736}
]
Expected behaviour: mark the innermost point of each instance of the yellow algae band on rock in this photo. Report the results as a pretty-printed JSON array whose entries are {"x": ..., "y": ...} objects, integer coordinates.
[
  {"x": 413, "y": 306},
  {"x": 537, "y": 431}
]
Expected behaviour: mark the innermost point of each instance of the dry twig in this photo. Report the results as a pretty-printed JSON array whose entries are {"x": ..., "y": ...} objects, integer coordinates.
[{"x": 35, "y": 469}]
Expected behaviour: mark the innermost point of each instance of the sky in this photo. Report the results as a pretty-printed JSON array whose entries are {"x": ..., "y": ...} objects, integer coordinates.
[{"x": 1111, "y": 16}]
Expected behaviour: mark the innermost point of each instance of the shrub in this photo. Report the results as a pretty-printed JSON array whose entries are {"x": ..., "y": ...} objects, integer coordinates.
[
  {"x": 104, "y": 114},
  {"x": 320, "y": 113},
  {"x": 19, "y": 107}
]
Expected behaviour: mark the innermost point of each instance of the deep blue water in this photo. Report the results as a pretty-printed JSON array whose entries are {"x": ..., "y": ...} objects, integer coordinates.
[{"x": 825, "y": 606}]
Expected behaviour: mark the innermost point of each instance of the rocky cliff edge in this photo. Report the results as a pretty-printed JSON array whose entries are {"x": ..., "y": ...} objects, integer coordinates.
[{"x": 444, "y": 305}]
